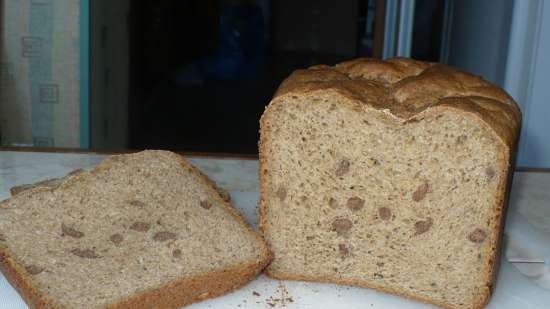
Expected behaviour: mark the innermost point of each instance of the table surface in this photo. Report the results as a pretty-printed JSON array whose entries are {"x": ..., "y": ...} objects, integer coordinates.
[{"x": 530, "y": 200}]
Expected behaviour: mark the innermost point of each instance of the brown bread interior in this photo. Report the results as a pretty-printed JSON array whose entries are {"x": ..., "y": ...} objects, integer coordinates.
[
  {"x": 145, "y": 226},
  {"x": 390, "y": 175}
]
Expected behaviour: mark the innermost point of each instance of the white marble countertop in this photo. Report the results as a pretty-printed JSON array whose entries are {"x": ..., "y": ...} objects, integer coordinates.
[{"x": 528, "y": 236}]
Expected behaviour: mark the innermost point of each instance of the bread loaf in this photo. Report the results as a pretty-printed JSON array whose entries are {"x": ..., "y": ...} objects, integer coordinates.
[
  {"x": 391, "y": 175},
  {"x": 144, "y": 230}
]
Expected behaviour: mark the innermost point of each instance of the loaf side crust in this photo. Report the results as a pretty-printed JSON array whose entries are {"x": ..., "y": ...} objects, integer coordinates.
[
  {"x": 171, "y": 295},
  {"x": 376, "y": 84}
]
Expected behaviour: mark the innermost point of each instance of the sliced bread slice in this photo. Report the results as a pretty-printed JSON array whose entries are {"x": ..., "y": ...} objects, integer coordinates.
[
  {"x": 49, "y": 183},
  {"x": 143, "y": 230},
  {"x": 388, "y": 174}
]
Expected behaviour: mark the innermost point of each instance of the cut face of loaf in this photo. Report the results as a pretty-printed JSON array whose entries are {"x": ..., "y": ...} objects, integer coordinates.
[
  {"x": 390, "y": 175},
  {"x": 145, "y": 230}
]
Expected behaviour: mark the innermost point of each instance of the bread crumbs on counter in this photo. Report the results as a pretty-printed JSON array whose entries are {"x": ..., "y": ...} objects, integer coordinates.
[{"x": 281, "y": 298}]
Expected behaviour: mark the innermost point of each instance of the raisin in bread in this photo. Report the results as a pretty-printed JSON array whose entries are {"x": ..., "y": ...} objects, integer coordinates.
[
  {"x": 144, "y": 230},
  {"x": 390, "y": 175}
]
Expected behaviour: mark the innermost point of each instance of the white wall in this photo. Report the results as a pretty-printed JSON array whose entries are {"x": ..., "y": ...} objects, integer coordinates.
[
  {"x": 535, "y": 139},
  {"x": 479, "y": 37},
  {"x": 507, "y": 43}
]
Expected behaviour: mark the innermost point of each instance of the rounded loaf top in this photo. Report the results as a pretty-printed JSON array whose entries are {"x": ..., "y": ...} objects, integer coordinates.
[{"x": 408, "y": 88}]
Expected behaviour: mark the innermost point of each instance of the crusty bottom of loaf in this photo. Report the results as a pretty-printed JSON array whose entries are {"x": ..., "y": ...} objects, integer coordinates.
[
  {"x": 172, "y": 295},
  {"x": 357, "y": 197},
  {"x": 483, "y": 300}
]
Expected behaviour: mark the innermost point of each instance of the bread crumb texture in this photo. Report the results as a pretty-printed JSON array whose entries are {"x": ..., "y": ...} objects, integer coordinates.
[
  {"x": 388, "y": 174},
  {"x": 134, "y": 223}
]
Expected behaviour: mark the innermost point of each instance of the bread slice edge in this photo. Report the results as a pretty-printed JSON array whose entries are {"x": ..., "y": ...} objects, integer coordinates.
[{"x": 174, "y": 294}]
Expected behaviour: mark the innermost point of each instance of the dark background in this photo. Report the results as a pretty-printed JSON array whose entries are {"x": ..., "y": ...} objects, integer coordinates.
[{"x": 202, "y": 71}]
